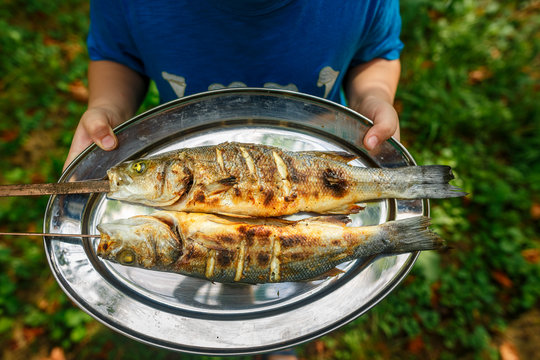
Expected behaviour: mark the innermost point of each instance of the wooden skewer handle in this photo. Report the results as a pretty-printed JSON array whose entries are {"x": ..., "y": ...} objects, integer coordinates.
[{"x": 76, "y": 187}]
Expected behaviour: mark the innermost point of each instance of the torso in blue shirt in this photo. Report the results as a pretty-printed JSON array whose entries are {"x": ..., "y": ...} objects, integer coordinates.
[{"x": 189, "y": 47}]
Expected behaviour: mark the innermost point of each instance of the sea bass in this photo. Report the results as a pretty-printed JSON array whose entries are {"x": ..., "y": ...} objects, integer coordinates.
[
  {"x": 255, "y": 250},
  {"x": 265, "y": 181}
]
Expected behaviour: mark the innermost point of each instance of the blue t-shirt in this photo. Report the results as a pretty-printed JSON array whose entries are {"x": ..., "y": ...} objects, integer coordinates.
[{"x": 188, "y": 47}]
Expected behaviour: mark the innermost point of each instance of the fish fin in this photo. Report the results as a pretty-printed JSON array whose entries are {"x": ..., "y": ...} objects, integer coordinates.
[
  {"x": 433, "y": 191},
  {"x": 210, "y": 243},
  {"x": 340, "y": 156},
  {"x": 331, "y": 219},
  {"x": 347, "y": 209},
  {"x": 220, "y": 186},
  {"x": 429, "y": 181},
  {"x": 411, "y": 234},
  {"x": 330, "y": 273}
]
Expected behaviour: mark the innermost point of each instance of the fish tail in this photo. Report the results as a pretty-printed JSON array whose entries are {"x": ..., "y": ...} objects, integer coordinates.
[
  {"x": 429, "y": 182},
  {"x": 411, "y": 234}
]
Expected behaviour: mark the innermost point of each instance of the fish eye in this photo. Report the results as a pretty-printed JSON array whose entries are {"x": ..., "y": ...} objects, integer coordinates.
[
  {"x": 139, "y": 167},
  {"x": 126, "y": 257}
]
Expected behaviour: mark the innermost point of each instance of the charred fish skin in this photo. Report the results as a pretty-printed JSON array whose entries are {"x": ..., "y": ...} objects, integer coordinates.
[
  {"x": 265, "y": 181},
  {"x": 224, "y": 249}
]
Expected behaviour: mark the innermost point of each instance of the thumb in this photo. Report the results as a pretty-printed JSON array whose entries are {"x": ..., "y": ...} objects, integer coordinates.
[
  {"x": 97, "y": 125},
  {"x": 385, "y": 125}
]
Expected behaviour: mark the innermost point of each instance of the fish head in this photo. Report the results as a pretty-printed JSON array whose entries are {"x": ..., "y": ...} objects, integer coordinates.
[
  {"x": 140, "y": 241},
  {"x": 151, "y": 181}
]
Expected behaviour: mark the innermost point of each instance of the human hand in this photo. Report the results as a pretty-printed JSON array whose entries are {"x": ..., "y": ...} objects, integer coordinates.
[
  {"x": 95, "y": 126},
  {"x": 385, "y": 121},
  {"x": 370, "y": 90}
]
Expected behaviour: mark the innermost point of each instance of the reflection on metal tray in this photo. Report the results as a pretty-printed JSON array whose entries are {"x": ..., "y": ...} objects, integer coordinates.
[{"x": 192, "y": 315}]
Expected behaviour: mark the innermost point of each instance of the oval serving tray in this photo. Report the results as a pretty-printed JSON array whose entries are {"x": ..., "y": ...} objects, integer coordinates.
[{"x": 192, "y": 315}]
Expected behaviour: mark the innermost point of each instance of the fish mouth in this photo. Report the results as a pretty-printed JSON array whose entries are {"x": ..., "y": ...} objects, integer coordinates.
[{"x": 118, "y": 180}]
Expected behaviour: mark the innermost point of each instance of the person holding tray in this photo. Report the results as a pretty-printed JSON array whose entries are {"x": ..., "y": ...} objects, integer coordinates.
[
  {"x": 311, "y": 46},
  {"x": 345, "y": 51}
]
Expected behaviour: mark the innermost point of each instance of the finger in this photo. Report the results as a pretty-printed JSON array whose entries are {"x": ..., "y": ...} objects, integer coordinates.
[
  {"x": 97, "y": 126},
  {"x": 385, "y": 125}
]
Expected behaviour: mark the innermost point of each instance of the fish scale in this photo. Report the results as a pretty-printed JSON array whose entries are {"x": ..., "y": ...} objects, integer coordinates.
[
  {"x": 226, "y": 249},
  {"x": 266, "y": 181}
]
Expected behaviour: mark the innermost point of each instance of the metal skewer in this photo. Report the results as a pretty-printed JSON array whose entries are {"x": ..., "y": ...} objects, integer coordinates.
[{"x": 48, "y": 234}]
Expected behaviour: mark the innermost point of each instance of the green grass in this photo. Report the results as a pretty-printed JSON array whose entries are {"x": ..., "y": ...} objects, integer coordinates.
[{"x": 468, "y": 98}]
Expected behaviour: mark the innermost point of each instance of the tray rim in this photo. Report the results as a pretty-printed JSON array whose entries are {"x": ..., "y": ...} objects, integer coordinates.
[{"x": 124, "y": 330}]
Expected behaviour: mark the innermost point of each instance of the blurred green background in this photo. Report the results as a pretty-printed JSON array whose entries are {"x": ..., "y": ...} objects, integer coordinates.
[{"x": 469, "y": 97}]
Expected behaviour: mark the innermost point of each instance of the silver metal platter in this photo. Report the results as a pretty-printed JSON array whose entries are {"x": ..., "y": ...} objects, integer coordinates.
[{"x": 192, "y": 315}]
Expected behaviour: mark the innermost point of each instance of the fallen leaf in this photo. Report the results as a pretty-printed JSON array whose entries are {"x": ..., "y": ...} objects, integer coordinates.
[
  {"x": 9, "y": 135},
  {"x": 427, "y": 64},
  {"x": 531, "y": 255},
  {"x": 319, "y": 347},
  {"x": 416, "y": 345},
  {"x": 30, "y": 334},
  {"x": 78, "y": 91},
  {"x": 435, "y": 295},
  {"x": 508, "y": 351},
  {"x": 535, "y": 211},
  {"x": 43, "y": 304},
  {"x": 434, "y": 14},
  {"x": 478, "y": 75},
  {"x": 57, "y": 353},
  {"x": 502, "y": 278},
  {"x": 495, "y": 53},
  {"x": 37, "y": 178},
  {"x": 49, "y": 41},
  {"x": 72, "y": 50}
]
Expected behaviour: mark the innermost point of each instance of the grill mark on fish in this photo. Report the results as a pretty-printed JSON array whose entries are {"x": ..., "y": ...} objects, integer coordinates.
[
  {"x": 290, "y": 241},
  {"x": 249, "y": 161},
  {"x": 268, "y": 196},
  {"x": 335, "y": 182},
  {"x": 295, "y": 176},
  {"x": 161, "y": 176},
  {"x": 283, "y": 173},
  {"x": 219, "y": 159},
  {"x": 299, "y": 256},
  {"x": 275, "y": 263},
  {"x": 259, "y": 232},
  {"x": 224, "y": 258},
  {"x": 210, "y": 264},
  {"x": 199, "y": 197},
  {"x": 240, "y": 261},
  {"x": 229, "y": 181},
  {"x": 262, "y": 259},
  {"x": 189, "y": 183},
  {"x": 226, "y": 239}
]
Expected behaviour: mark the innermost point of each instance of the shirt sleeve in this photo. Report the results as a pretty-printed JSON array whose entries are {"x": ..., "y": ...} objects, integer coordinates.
[
  {"x": 109, "y": 36},
  {"x": 381, "y": 39}
]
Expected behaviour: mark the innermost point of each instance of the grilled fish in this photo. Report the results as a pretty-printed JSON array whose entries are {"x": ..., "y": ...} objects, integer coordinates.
[
  {"x": 265, "y": 181},
  {"x": 255, "y": 250}
]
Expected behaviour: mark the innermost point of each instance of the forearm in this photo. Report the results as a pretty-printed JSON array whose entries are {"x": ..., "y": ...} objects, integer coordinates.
[
  {"x": 378, "y": 78},
  {"x": 115, "y": 87},
  {"x": 370, "y": 90}
]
